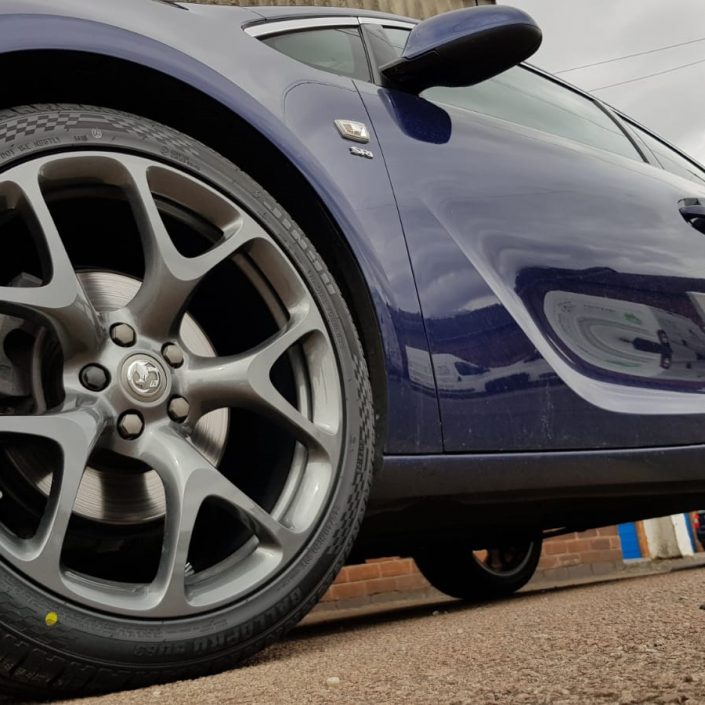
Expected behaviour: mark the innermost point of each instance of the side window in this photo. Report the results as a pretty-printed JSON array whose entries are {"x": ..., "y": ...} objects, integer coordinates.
[
  {"x": 669, "y": 159},
  {"x": 526, "y": 98},
  {"x": 336, "y": 49},
  {"x": 397, "y": 38},
  {"x": 386, "y": 43}
]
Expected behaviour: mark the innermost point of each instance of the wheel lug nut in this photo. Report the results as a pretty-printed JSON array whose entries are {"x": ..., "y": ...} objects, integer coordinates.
[
  {"x": 94, "y": 377},
  {"x": 130, "y": 425},
  {"x": 173, "y": 354},
  {"x": 178, "y": 409},
  {"x": 123, "y": 335}
]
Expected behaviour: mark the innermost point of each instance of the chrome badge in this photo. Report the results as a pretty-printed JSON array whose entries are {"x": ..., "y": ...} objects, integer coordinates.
[
  {"x": 365, "y": 153},
  {"x": 144, "y": 377},
  {"x": 352, "y": 130}
]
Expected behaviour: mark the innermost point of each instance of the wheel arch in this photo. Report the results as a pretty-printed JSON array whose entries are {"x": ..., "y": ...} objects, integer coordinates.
[{"x": 70, "y": 76}]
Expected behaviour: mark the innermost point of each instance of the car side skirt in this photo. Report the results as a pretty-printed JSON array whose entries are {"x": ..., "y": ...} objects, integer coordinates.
[{"x": 485, "y": 497}]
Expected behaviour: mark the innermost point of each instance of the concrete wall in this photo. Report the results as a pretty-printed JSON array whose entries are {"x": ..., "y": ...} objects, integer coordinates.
[{"x": 409, "y": 8}]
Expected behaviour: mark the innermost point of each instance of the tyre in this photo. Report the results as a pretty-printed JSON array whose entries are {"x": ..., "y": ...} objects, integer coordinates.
[
  {"x": 480, "y": 575},
  {"x": 186, "y": 423}
]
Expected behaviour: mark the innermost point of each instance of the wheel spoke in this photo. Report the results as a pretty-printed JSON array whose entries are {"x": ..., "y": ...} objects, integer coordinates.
[
  {"x": 189, "y": 480},
  {"x": 276, "y": 532},
  {"x": 76, "y": 433},
  {"x": 61, "y": 302},
  {"x": 170, "y": 277},
  {"x": 244, "y": 381}
]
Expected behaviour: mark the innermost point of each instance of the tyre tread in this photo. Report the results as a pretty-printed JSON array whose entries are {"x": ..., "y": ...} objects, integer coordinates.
[{"x": 29, "y": 668}]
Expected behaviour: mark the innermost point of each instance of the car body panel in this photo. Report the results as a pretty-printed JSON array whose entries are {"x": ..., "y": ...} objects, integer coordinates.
[
  {"x": 511, "y": 374},
  {"x": 510, "y": 227},
  {"x": 191, "y": 46}
]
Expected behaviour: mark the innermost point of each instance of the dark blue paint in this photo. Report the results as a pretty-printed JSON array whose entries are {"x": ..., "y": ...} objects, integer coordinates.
[
  {"x": 496, "y": 217},
  {"x": 206, "y": 48},
  {"x": 420, "y": 120},
  {"x": 500, "y": 216},
  {"x": 453, "y": 26}
]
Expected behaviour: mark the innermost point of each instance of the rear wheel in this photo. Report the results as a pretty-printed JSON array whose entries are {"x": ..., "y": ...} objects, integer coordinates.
[
  {"x": 186, "y": 434},
  {"x": 480, "y": 575}
]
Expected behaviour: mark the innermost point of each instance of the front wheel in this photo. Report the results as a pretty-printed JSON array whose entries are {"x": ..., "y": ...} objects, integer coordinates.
[
  {"x": 480, "y": 575},
  {"x": 186, "y": 423}
]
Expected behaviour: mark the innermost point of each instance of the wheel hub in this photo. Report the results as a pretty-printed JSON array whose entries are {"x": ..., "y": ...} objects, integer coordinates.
[
  {"x": 109, "y": 495},
  {"x": 129, "y": 428},
  {"x": 143, "y": 377}
]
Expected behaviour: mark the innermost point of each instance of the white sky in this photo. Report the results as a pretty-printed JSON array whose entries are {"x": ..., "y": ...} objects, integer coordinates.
[{"x": 579, "y": 32}]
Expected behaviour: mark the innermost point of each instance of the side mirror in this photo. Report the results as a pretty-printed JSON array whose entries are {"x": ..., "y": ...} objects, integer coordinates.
[{"x": 463, "y": 47}]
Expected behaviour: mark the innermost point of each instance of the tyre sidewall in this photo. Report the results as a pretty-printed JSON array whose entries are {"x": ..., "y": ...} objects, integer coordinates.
[
  {"x": 235, "y": 632},
  {"x": 457, "y": 574}
]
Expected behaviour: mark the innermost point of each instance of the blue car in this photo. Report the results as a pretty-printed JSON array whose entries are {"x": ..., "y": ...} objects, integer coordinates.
[{"x": 285, "y": 287}]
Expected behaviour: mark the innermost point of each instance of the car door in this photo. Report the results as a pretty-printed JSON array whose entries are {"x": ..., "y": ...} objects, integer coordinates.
[{"x": 561, "y": 286}]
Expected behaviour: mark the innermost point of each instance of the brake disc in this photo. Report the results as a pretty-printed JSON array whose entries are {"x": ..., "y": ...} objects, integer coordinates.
[{"x": 116, "y": 492}]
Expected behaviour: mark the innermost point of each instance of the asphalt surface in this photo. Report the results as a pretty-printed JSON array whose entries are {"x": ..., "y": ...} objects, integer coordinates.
[{"x": 631, "y": 641}]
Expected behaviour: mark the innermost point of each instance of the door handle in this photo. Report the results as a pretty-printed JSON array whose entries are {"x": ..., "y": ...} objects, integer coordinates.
[{"x": 695, "y": 215}]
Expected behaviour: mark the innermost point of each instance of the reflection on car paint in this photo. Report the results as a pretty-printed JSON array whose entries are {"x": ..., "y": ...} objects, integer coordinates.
[
  {"x": 455, "y": 375},
  {"x": 419, "y": 367},
  {"x": 626, "y": 337},
  {"x": 499, "y": 216},
  {"x": 634, "y": 329}
]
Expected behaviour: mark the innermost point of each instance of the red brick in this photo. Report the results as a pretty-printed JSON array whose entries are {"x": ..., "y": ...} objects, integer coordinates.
[
  {"x": 601, "y": 556},
  {"x": 390, "y": 569},
  {"x": 414, "y": 581},
  {"x": 392, "y": 574},
  {"x": 366, "y": 571},
  {"x": 379, "y": 585},
  {"x": 328, "y": 596},
  {"x": 547, "y": 562},
  {"x": 349, "y": 591},
  {"x": 342, "y": 577},
  {"x": 569, "y": 559},
  {"x": 553, "y": 547},
  {"x": 601, "y": 544},
  {"x": 608, "y": 531},
  {"x": 578, "y": 545}
]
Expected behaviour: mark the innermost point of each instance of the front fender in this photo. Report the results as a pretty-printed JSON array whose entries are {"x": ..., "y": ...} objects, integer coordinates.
[{"x": 293, "y": 107}]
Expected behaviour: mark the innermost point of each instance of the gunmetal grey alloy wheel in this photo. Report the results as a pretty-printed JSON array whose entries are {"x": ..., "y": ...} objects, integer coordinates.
[
  {"x": 485, "y": 574},
  {"x": 186, "y": 433}
]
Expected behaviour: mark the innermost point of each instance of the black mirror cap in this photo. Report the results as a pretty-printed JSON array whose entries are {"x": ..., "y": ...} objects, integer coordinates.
[{"x": 463, "y": 47}]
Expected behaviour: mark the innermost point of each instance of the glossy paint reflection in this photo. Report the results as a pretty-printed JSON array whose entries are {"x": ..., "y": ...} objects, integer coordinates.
[
  {"x": 639, "y": 330},
  {"x": 503, "y": 215},
  {"x": 628, "y": 339}
]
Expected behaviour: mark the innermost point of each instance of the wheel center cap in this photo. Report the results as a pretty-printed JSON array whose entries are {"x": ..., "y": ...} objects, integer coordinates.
[{"x": 145, "y": 378}]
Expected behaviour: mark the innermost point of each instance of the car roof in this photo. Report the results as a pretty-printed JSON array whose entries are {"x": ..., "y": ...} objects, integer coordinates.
[{"x": 283, "y": 12}]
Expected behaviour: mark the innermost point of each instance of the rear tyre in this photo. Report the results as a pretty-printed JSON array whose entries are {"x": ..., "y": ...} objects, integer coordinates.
[
  {"x": 480, "y": 575},
  {"x": 186, "y": 423}
]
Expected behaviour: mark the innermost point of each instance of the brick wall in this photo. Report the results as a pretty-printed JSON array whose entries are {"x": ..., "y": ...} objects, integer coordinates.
[
  {"x": 409, "y": 8},
  {"x": 593, "y": 552},
  {"x": 590, "y": 552},
  {"x": 376, "y": 577}
]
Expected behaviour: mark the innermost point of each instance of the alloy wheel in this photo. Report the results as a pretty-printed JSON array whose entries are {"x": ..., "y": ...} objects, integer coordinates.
[{"x": 136, "y": 380}]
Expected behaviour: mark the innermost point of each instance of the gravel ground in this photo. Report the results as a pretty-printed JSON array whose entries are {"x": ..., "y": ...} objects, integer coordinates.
[{"x": 630, "y": 641}]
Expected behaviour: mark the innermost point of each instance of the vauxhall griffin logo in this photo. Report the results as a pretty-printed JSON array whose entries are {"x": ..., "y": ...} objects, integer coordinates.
[{"x": 144, "y": 377}]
